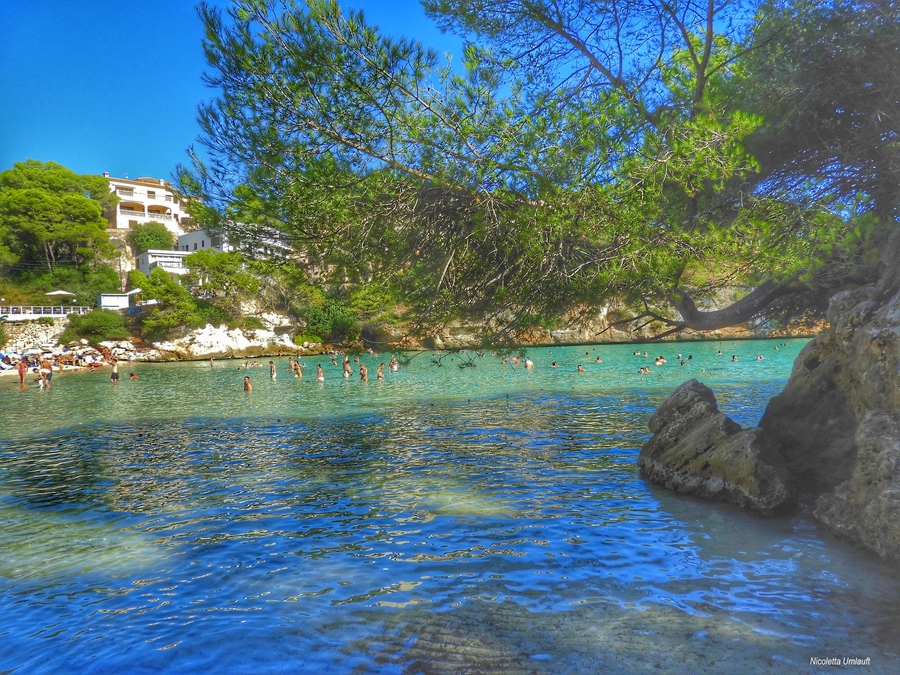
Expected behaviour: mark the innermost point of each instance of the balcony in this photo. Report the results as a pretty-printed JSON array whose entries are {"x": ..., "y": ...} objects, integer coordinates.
[
  {"x": 152, "y": 215},
  {"x": 174, "y": 266}
]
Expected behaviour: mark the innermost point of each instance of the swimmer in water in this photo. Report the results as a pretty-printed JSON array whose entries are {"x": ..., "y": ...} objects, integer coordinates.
[
  {"x": 320, "y": 376},
  {"x": 247, "y": 386}
]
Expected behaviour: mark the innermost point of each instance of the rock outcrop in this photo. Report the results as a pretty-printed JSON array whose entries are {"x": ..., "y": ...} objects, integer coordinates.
[
  {"x": 836, "y": 425},
  {"x": 698, "y": 450},
  {"x": 22, "y": 335},
  {"x": 837, "y": 420},
  {"x": 222, "y": 342}
]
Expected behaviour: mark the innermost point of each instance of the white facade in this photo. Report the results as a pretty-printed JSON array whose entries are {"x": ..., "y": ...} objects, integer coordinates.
[
  {"x": 199, "y": 240},
  {"x": 116, "y": 300},
  {"x": 144, "y": 200},
  {"x": 170, "y": 261}
]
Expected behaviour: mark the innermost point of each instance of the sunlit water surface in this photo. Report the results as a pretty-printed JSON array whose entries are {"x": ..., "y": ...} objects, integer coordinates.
[{"x": 478, "y": 519}]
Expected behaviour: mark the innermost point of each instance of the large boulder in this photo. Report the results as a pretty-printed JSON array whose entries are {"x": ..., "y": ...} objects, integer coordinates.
[
  {"x": 698, "y": 450},
  {"x": 866, "y": 508}
]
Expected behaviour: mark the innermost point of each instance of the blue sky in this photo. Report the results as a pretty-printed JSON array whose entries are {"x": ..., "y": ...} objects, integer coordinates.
[{"x": 105, "y": 85}]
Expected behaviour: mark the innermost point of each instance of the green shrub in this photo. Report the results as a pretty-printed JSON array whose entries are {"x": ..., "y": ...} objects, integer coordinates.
[
  {"x": 97, "y": 326},
  {"x": 333, "y": 321},
  {"x": 253, "y": 323},
  {"x": 151, "y": 235},
  {"x": 306, "y": 337},
  {"x": 208, "y": 313},
  {"x": 3, "y": 336},
  {"x": 46, "y": 320}
]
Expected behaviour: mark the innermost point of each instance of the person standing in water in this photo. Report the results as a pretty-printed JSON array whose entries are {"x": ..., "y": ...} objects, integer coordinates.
[
  {"x": 22, "y": 369},
  {"x": 247, "y": 386},
  {"x": 363, "y": 373},
  {"x": 320, "y": 375},
  {"x": 272, "y": 372},
  {"x": 380, "y": 372},
  {"x": 114, "y": 375}
]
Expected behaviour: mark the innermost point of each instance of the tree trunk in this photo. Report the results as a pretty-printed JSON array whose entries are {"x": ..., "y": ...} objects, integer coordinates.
[{"x": 740, "y": 312}]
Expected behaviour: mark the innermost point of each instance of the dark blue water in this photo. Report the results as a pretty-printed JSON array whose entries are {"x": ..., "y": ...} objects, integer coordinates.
[{"x": 447, "y": 519}]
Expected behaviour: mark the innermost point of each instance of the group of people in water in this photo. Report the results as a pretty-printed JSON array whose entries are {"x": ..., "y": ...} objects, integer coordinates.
[
  {"x": 296, "y": 368},
  {"x": 344, "y": 361}
]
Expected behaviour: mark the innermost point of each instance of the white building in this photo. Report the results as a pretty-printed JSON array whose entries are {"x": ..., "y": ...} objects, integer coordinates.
[
  {"x": 117, "y": 300},
  {"x": 144, "y": 200},
  {"x": 200, "y": 239},
  {"x": 170, "y": 261}
]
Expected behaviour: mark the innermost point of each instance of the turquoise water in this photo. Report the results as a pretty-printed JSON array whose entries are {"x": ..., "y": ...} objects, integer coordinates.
[{"x": 476, "y": 519}]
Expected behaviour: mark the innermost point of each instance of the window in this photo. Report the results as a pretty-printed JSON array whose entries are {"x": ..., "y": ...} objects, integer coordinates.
[
  {"x": 203, "y": 243},
  {"x": 151, "y": 194},
  {"x": 195, "y": 245}
]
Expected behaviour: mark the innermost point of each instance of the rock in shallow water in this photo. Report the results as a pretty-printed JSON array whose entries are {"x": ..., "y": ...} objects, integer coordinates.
[{"x": 698, "y": 450}]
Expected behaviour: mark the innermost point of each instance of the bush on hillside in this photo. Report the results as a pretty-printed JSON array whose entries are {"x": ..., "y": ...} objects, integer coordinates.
[
  {"x": 97, "y": 326},
  {"x": 333, "y": 321},
  {"x": 151, "y": 235}
]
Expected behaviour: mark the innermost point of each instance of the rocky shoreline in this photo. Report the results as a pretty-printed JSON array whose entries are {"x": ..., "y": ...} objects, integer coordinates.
[{"x": 833, "y": 433}]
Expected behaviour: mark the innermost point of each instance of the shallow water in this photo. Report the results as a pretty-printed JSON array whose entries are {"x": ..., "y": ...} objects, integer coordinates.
[{"x": 447, "y": 519}]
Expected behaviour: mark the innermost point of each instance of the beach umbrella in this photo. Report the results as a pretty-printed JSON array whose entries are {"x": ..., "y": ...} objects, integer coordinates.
[{"x": 59, "y": 293}]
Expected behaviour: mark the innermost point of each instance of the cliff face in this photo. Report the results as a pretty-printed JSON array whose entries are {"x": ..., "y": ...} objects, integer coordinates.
[
  {"x": 835, "y": 428},
  {"x": 838, "y": 420},
  {"x": 607, "y": 322}
]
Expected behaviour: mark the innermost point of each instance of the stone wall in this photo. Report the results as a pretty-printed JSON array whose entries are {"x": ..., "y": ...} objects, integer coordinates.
[{"x": 22, "y": 335}]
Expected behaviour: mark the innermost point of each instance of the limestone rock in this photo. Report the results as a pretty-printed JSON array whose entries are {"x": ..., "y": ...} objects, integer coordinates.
[
  {"x": 222, "y": 342},
  {"x": 837, "y": 420},
  {"x": 698, "y": 450},
  {"x": 866, "y": 507},
  {"x": 812, "y": 420}
]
